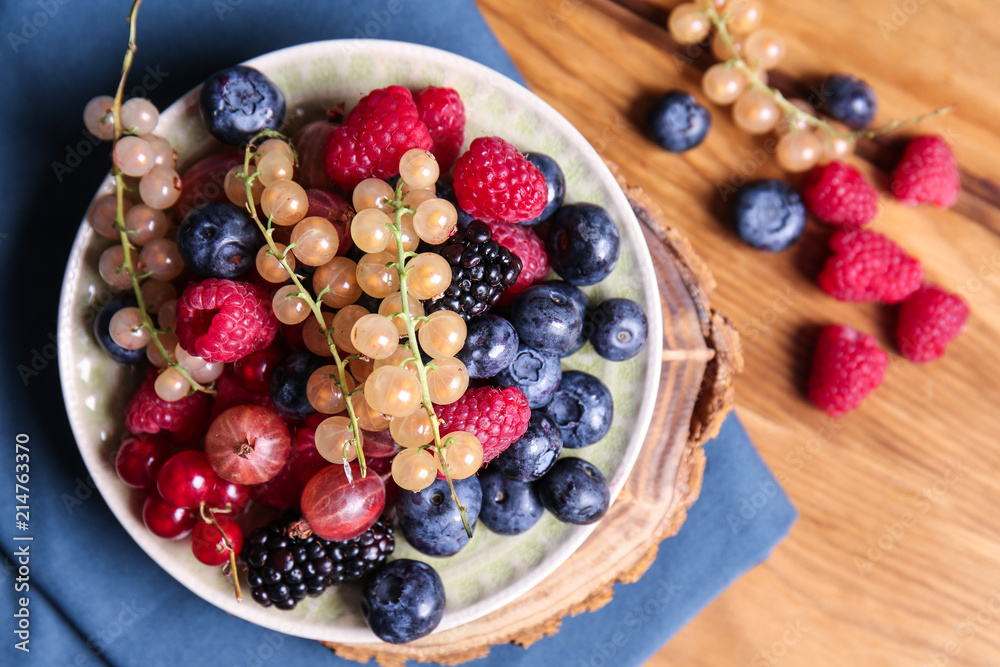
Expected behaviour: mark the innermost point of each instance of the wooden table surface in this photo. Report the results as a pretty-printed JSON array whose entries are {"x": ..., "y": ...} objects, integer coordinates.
[{"x": 896, "y": 557}]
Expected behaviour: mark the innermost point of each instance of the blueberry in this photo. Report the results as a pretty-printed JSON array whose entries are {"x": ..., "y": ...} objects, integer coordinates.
[
  {"x": 546, "y": 319},
  {"x": 429, "y": 519},
  {"x": 288, "y": 383},
  {"x": 535, "y": 373},
  {"x": 218, "y": 240},
  {"x": 490, "y": 345},
  {"x": 849, "y": 100},
  {"x": 555, "y": 183},
  {"x": 677, "y": 122},
  {"x": 769, "y": 214},
  {"x": 575, "y": 491},
  {"x": 403, "y": 601},
  {"x": 102, "y": 331},
  {"x": 582, "y": 409},
  {"x": 618, "y": 329},
  {"x": 579, "y": 297},
  {"x": 534, "y": 453},
  {"x": 583, "y": 243},
  {"x": 509, "y": 507},
  {"x": 238, "y": 102}
]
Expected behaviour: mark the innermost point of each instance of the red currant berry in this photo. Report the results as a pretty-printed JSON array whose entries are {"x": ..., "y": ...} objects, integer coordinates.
[
  {"x": 229, "y": 495},
  {"x": 139, "y": 460},
  {"x": 186, "y": 479},
  {"x": 253, "y": 371},
  {"x": 165, "y": 520},
  {"x": 207, "y": 543}
]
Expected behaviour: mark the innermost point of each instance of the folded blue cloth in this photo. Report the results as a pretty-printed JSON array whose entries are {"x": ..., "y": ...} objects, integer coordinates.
[{"x": 95, "y": 597}]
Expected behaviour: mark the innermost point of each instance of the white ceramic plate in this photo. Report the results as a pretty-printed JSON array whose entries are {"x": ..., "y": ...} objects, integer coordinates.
[{"x": 493, "y": 570}]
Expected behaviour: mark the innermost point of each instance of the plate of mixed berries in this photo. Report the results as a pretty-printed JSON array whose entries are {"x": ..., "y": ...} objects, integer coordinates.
[{"x": 362, "y": 331}]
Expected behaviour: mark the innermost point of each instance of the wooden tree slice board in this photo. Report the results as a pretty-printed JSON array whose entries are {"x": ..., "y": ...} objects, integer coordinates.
[{"x": 701, "y": 354}]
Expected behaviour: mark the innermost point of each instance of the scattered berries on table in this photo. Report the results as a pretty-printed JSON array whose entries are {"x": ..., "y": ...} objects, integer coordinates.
[
  {"x": 493, "y": 181},
  {"x": 927, "y": 173},
  {"x": 928, "y": 320},
  {"x": 677, "y": 122},
  {"x": 847, "y": 366},
  {"x": 384, "y": 125},
  {"x": 497, "y": 417},
  {"x": 849, "y": 100},
  {"x": 481, "y": 270},
  {"x": 442, "y": 111},
  {"x": 838, "y": 194},
  {"x": 768, "y": 215},
  {"x": 238, "y": 102},
  {"x": 223, "y": 320},
  {"x": 867, "y": 266}
]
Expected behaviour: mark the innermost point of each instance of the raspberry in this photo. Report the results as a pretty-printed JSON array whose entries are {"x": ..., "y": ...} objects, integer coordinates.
[
  {"x": 284, "y": 490},
  {"x": 442, "y": 111},
  {"x": 525, "y": 243},
  {"x": 847, "y": 366},
  {"x": 373, "y": 137},
  {"x": 222, "y": 320},
  {"x": 187, "y": 419},
  {"x": 927, "y": 174},
  {"x": 494, "y": 182},
  {"x": 867, "y": 266},
  {"x": 929, "y": 320},
  {"x": 497, "y": 417},
  {"x": 838, "y": 194}
]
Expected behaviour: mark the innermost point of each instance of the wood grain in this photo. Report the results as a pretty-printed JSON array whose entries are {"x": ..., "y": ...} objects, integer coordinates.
[
  {"x": 896, "y": 559},
  {"x": 701, "y": 355}
]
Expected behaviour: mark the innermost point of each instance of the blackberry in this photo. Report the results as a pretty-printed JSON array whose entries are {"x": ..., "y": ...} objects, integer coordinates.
[
  {"x": 286, "y": 561},
  {"x": 354, "y": 559},
  {"x": 481, "y": 269}
]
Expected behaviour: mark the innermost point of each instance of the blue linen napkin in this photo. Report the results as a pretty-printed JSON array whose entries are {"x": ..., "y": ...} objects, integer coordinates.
[{"x": 95, "y": 597}]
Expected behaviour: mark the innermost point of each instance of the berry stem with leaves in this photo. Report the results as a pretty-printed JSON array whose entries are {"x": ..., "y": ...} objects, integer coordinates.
[
  {"x": 314, "y": 304},
  {"x": 425, "y": 395}
]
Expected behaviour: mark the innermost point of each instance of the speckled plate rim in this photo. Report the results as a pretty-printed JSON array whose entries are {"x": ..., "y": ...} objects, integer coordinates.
[{"x": 118, "y": 496}]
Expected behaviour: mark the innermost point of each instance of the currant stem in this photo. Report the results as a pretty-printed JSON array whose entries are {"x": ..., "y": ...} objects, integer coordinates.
[
  {"x": 127, "y": 248},
  {"x": 314, "y": 304},
  {"x": 229, "y": 545},
  {"x": 411, "y": 333},
  {"x": 754, "y": 81}
]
